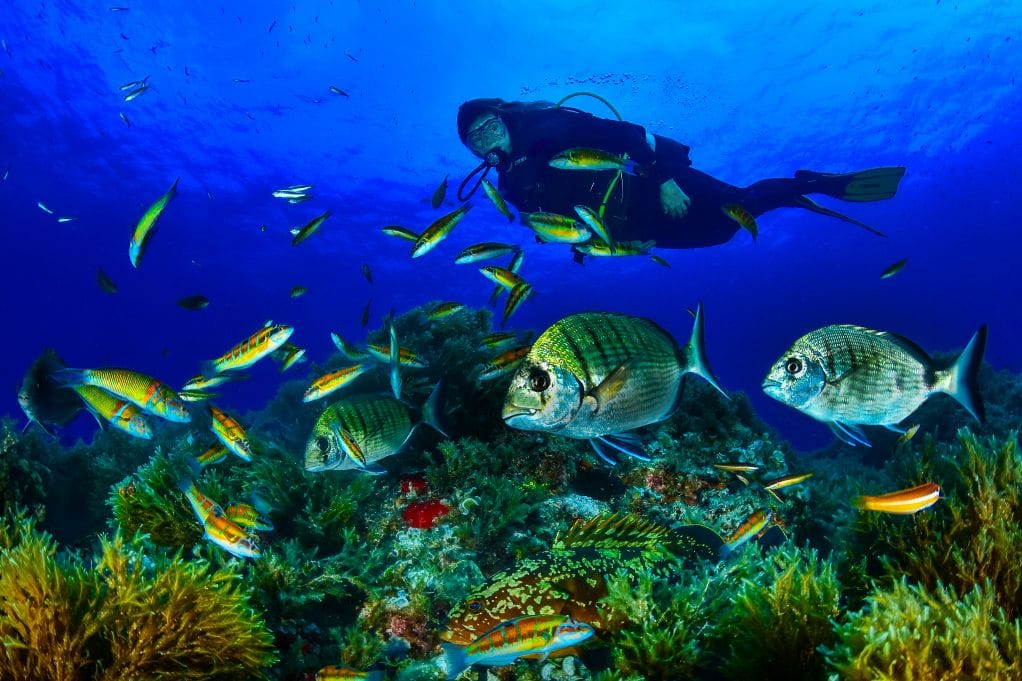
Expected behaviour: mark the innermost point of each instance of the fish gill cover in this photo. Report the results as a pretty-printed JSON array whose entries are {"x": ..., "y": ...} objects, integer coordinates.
[{"x": 345, "y": 430}]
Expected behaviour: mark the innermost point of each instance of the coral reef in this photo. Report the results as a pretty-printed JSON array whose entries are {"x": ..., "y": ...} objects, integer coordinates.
[{"x": 21, "y": 477}]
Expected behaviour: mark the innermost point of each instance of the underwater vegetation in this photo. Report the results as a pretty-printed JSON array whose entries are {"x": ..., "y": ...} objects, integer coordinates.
[{"x": 130, "y": 613}]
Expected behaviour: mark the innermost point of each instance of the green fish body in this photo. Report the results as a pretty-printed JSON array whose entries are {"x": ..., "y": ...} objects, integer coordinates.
[
  {"x": 379, "y": 425},
  {"x": 570, "y": 578},
  {"x": 597, "y": 375},
  {"x": 146, "y": 227},
  {"x": 497, "y": 200},
  {"x": 849, "y": 376},
  {"x": 119, "y": 413},
  {"x": 146, "y": 392}
]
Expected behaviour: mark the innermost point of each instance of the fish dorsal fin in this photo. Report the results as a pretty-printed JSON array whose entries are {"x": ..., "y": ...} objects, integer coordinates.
[{"x": 613, "y": 531}]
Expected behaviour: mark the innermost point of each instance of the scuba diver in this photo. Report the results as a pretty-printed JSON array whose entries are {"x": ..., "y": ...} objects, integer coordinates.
[{"x": 667, "y": 201}]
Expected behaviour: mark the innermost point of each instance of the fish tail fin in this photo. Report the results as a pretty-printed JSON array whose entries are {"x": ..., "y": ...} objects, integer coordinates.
[
  {"x": 172, "y": 192},
  {"x": 433, "y": 410},
  {"x": 208, "y": 368},
  {"x": 71, "y": 377},
  {"x": 631, "y": 167},
  {"x": 695, "y": 354},
  {"x": 961, "y": 379},
  {"x": 454, "y": 659}
]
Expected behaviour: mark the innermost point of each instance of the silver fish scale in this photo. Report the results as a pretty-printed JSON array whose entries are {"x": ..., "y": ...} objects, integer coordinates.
[
  {"x": 873, "y": 378},
  {"x": 592, "y": 346}
]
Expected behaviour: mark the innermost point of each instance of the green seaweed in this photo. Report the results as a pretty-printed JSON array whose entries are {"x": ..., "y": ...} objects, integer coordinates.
[{"x": 913, "y": 633}]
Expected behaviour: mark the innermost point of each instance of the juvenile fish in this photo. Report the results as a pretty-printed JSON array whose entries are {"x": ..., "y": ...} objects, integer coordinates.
[
  {"x": 367, "y": 273},
  {"x": 439, "y": 193},
  {"x": 443, "y": 310},
  {"x": 484, "y": 251},
  {"x": 621, "y": 248},
  {"x": 850, "y": 376},
  {"x": 309, "y": 229},
  {"x": 514, "y": 267},
  {"x": 349, "y": 351},
  {"x": 146, "y": 227},
  {"x": 583, "y": 158},
  {"x": 596, "y": 224},
  {"x": 515, "y": 299},
  {"x": 196, "y": 302},
  {"x": 497, "y": 200},
  {"x": 893, "y": 269},
  {"x": 340, "y": 673},
  {"x": 289, "y": 355},
  {"x": 501, "y": 276},
  {"x": 105, "y": 283},
  {"x": 406, "y": 357},
  {"x": 298, "y": 291},
  {"x": 439, "y": 230},
  {"x": 400, "y": 232},
  {"x": 504, "y": 363},
  {"x": 597, "y": 375},
  {"x": 364, "y": 321},
  {"x": 556, "y": 228},
  {"x": 338, "y": 91},
  {"x": 743, "y": 218},
  {"x": 246, "y": 515}
]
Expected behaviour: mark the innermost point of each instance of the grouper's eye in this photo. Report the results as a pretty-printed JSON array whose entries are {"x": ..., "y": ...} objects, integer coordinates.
[
  {"x": 794, "y": 366},
  {"x": 539, "y": 380},
  {"x": 475, "y": 605}
]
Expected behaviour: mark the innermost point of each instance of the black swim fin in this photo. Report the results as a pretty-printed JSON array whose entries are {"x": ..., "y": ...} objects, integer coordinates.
[
  {"x": 809, "y": 204},
  {"x": 874, "y": 184}
]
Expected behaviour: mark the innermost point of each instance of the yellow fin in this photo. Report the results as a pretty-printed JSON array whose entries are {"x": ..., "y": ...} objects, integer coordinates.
[{"x": 610, "y": 386}]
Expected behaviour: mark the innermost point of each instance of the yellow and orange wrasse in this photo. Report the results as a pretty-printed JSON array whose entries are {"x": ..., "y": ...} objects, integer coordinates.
[
  {"x": 405, "y": 357},
  {"x": 442, "y": 310},
  {"x": 204, "y": 506},
  {"x": 584, "y": 158},
  {"x": 349, "y": 351},
  {"x": 289, "y": 355},
  {"x": 756, "y": 523},
  {"x": 201, "y": 382},
  {"x": 145, "y": 392},
  {"x": 486, "y": 250},
  {"x": 514, "y": 300},
  {"x": 230, "y": 433},
  {"x": 742, "y": 217},
  {"x": 908, "y": 434},
  {"x": 660, "y": 261},
  {"x": 260, "y": 344},
  {"x": 146, "y": 227},
  {"x": 556, "y": 228},
  {"x": 246, "y": 515},
  {"x": 497, "y": 200},
  {"x": 439, "y": 230},
  {"x": 497, "y": 339},
  {"x": 504, "y": 363},
  {"x": 231, "y": 537},
  {"x": 333, "y": 381},
  {"x": 350, "y": 446},
  {"x": 501, "y": 276},
  {"x": 196, "y": 395},
  {"x": 400, "y": 232},
  {"x": 119, "y": 413},
  {"x": 529, "y": 636},
  {"x": 901, "y": 502},
  {"x": 341, "y": 673},
  {"x": 516, "y": 264},
  {"x": 214, "y": 455}
]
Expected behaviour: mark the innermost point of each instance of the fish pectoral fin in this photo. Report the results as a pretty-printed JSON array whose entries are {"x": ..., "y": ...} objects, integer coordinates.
[
  {"x": 850, "y": 434},
  {"x": 611, "y": 385},
  {"x": 603, "y": 451},
  {"x": 374, "y": 469}
]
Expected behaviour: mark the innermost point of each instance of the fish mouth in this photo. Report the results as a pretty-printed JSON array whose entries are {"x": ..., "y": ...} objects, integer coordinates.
[
  {"x": 770, "y": 383},
  {"x": 512, "y": 411}
]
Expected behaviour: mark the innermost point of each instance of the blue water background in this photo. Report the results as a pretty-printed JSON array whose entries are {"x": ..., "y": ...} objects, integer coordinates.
[{"x": 756, "y": 89}]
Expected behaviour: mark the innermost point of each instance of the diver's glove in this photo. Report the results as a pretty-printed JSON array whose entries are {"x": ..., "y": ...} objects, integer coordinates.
[{"x": 673, "y": 200}]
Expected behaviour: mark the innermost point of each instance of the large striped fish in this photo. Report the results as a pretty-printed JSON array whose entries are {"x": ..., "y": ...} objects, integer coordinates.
[
  {"x": 849, "y": 376},
  {"x": 597, "y": 375},
  {"x": 119, "y": 413},
  {"x": 359, "y": 431}
]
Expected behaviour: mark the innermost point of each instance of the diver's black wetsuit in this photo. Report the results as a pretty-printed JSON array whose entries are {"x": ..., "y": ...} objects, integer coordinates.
[{"x": 633, "y": 210}]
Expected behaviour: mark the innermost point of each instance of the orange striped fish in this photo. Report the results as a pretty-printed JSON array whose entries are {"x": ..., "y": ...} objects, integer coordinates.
[
  {"x": 260, "y": 344},
  {"x": 213, "y": 455},
  {"x": 750, "y": 527},
  {"x": 120, "y": 414},
  {"x": 231, "y": 434},
  {"x": 516, "y": 264},
  {"x": 147, "y": 393},
  {"x": 335, "y": 380},
  {"x": 340, "y": 673},
  {"x": 901, "y": 502},
  {"x": 203, "y": 505},
  {"x": 439, "y": 230},
  {"x": 231, "y": 537},
  {"x": 504, "y": 363},
  {"x": 742, "y": 217},
  {"x": 405, "y": 357},
  {"x": 247, "y": 515}
]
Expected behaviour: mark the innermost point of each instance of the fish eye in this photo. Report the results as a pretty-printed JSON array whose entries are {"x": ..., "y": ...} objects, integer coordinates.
[
  {"x": 794, "y": 366},
  {"x": 323, "y": 444},
  {"x": 475, "y": 605},
  {"x": 539, "y": 380}
]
